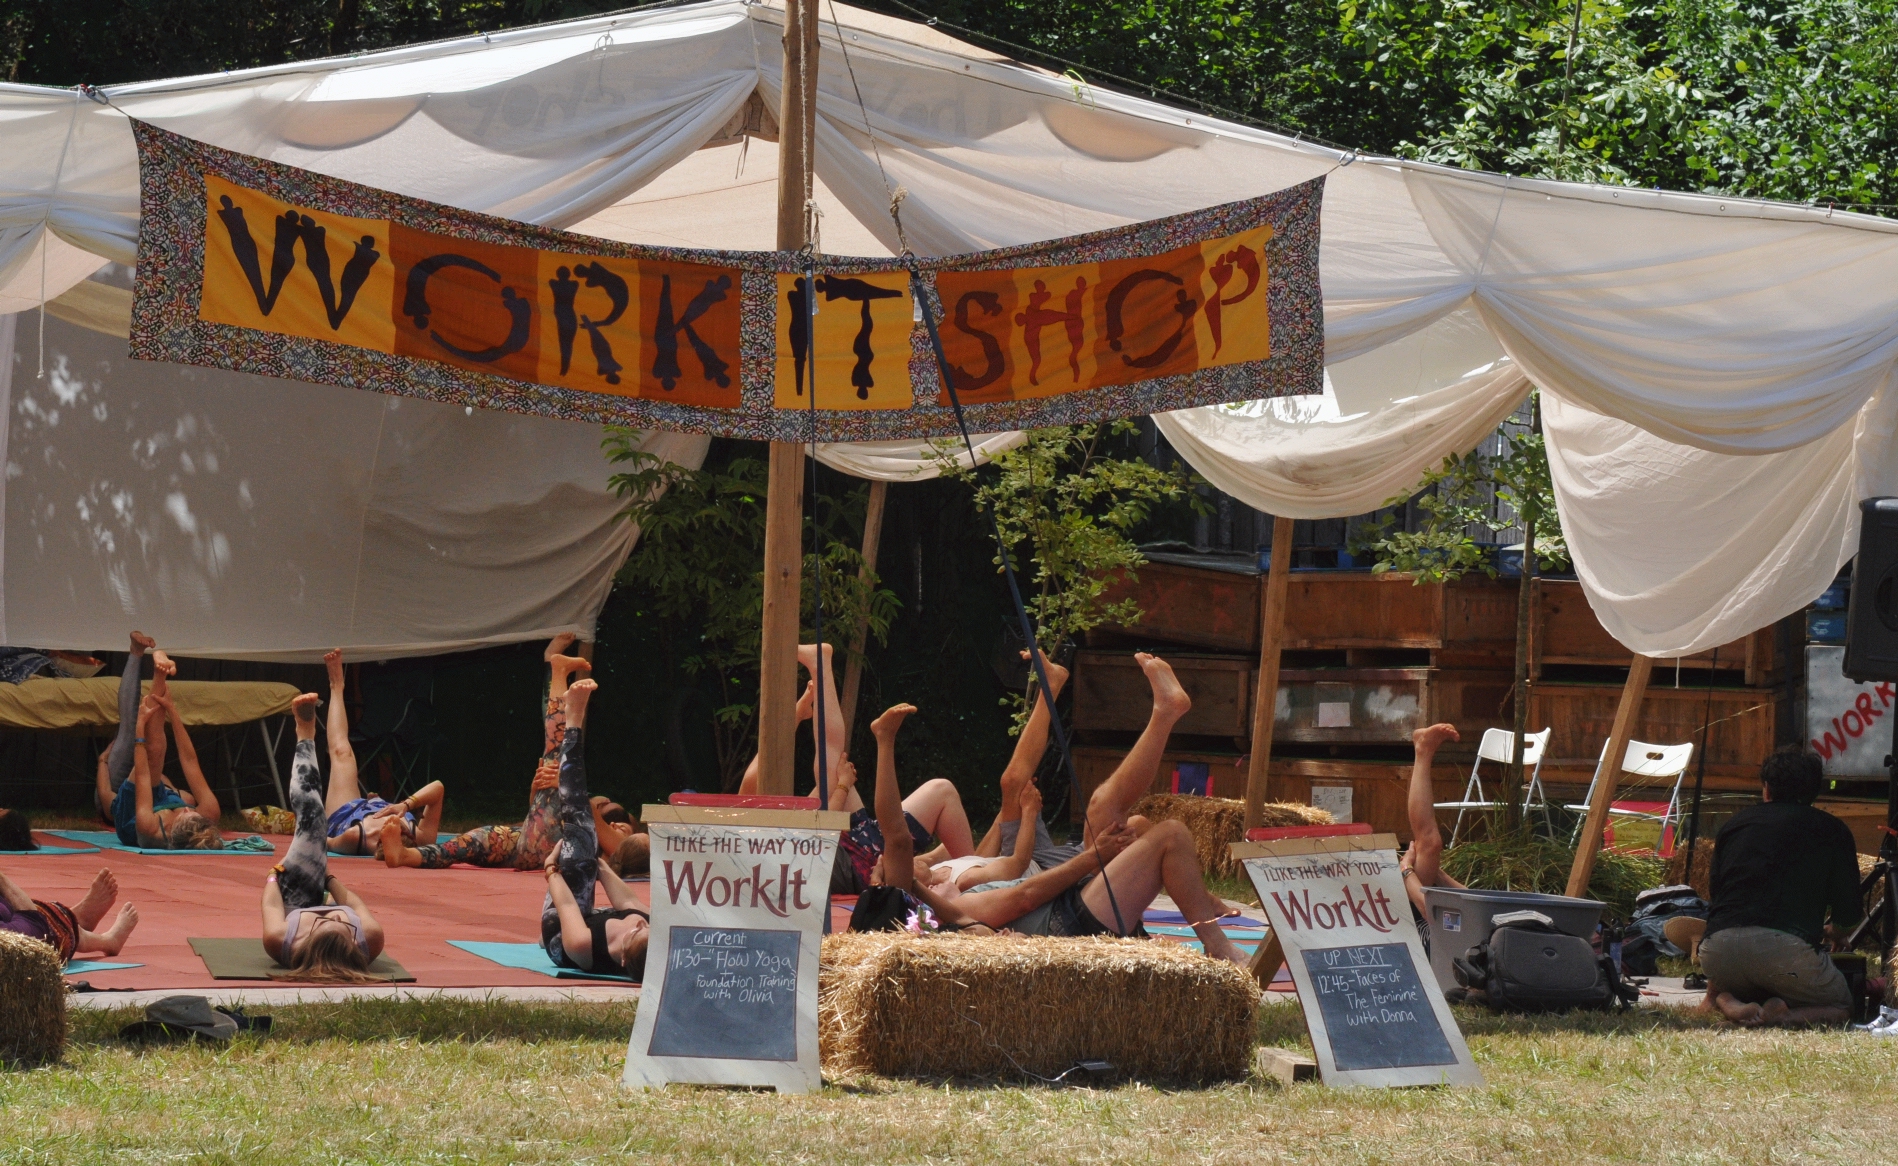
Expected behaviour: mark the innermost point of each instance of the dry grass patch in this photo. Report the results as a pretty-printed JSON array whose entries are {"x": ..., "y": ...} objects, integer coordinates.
[
  {"x": 1217, "y": 823},
  {"x": 378, "y": 1083}
]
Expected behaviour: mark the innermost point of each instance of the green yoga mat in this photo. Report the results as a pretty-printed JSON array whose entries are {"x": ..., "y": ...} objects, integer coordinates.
[{"x": 244, "y": 959}]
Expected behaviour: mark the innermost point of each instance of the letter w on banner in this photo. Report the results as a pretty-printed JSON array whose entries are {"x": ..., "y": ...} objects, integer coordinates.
[{"x": 250, "y": 265}]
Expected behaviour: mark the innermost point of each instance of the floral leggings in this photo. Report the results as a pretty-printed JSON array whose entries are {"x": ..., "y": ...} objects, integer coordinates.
[{"x": 523, "y": 847}]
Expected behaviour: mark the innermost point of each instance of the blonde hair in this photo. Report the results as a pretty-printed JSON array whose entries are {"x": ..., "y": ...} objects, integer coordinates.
[
  {"x": 634, "y": 855},
  {"x": 328, "y": 957},
  {"x": 193, "y": 831}
]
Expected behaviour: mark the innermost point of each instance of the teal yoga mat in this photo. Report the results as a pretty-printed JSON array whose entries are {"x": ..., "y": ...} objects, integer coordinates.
[
  {"x": 49, "y": 850},
  {"x": 529, "y": 957},
  {"x": 81, "y": 967},
  {"x": 107, "y": 840}
]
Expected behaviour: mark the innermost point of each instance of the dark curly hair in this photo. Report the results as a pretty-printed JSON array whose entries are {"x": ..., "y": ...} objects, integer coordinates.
[
  {"x": 16, "y": 833},
  {"x": 1792, "y": 774}
]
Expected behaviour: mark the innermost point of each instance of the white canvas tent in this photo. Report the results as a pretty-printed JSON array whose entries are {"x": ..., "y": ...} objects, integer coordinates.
[{"x": 1714, "y": 368}]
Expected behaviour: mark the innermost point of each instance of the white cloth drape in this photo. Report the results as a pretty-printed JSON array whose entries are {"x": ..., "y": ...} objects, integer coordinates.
[{"x": 1730, "y": 328}]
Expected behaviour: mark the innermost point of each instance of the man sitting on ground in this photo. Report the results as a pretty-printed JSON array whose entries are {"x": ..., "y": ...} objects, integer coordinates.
[{"x": 1778, "y": 869}]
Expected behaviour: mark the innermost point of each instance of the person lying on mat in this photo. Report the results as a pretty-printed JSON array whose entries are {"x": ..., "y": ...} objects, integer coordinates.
[
  {"x": 951, "y": 878},
  {"x": 115, "y": 764},
  {"x": 314, "y": 925},
  {"x": 575, "y": 933},
  {"x": 1784, "y": 880},
  {"x": 148, "y": 813},
  {"x": 1422, "y": 864},
  {"x": 69, "y": 930},
  {"x": 527, "y": 845},
  {"x": 355, "y": 822}
]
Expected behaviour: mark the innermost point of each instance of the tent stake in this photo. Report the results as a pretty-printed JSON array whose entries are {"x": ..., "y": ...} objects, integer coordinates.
[
  {"x": 784, "y": 499},
  {"x": 1608, "y": 775},
  {"x": 1265, "y": 700}
]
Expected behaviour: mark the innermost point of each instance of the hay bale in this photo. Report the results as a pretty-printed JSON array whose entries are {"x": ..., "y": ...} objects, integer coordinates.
[
  {"x": 1217, "y": 823},
  {"x": 965, "y": 1006},
  {"x": 32, "y": 1001},
  {"x": 1701, "y": 877}
]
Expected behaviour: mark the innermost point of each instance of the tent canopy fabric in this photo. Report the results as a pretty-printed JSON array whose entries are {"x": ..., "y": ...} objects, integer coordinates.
[
  {"x": 63, "y": 703},
  {"x": 1692, "y": 348}
]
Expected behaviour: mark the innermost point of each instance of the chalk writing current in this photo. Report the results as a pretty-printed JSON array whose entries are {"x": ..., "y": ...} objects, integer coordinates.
[{"x": 729, "y": 993}]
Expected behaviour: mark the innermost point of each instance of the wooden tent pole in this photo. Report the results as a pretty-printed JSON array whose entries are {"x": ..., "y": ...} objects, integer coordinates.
[
  {"x": 784, "y": 500},
  {"x": 1608, "y": 775},
  {"x": 853, "y": 668},
  {"x": 1265, "y": 699}
]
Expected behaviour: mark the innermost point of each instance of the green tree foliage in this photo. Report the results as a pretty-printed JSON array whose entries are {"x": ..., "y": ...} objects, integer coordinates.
[
  {"x": 1066, "y": 508},
  {"x": 698, "y": 568}
]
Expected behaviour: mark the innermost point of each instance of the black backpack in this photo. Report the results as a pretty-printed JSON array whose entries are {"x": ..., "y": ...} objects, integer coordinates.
[{"x": 1528, "y": 965}]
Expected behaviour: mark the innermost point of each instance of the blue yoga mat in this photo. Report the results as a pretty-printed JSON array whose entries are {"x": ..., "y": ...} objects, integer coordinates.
[
  {"x": 80, "y": 967},
  {"x": 529, "y": 957},
  {"x": 53, "y": 850},
  {"x": 107, "y": 840}
]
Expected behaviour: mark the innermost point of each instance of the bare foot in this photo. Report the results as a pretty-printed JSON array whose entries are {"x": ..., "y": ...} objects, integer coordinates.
[
  {"x": 304, "y": 706},
  {"x": 1429, "y": 738},
  {"x": 1169, "y": 699},
  {"x": 395, "y": 849},
  {"x": 162, "y": 665},
  {"x": 141, "y": 642},
  {"x": 884, "y": 727},
  {"x": 333, "y": 660},
  {"x": 114, "y": 938},
  {"x": 807, "y": 656},
  {"x": 98, "y": 900},
  {"x": 558, "y": 646},
  {"x": 807, "y": 703},
  {"x": 1737, "y": 1010},
  {"x": 577, "y": 695},
  {"x": 1774, "y": 1012},
  {"x": 1057, "y": 675},
  {"x": 565, "y": 666}
]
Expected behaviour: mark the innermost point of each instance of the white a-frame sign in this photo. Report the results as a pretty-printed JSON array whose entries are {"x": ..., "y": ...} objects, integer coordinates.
[
  {"x": 739, "y": 898},
  {"x": 1376, "y": 1015}
]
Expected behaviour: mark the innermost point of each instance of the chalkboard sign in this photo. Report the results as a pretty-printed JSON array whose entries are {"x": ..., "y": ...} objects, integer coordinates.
[
  {"x": 728, "y": 993},
  {"x": 739, "y": 899},
  {"x": 1338, "y": 908},
  {"x": 1374, "y": 1007}
]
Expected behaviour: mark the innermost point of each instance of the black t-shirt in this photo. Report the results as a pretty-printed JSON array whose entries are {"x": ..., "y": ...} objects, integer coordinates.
[
  {"x": 603, "y": 960},
  {"x": 1783, "y": 865}
]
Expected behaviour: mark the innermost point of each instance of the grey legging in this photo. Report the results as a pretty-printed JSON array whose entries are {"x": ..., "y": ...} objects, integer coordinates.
[
  {"x": 119, "y": 757},
  {"x": 305, "y": 869},
  {"x": 578, "y": 852}
]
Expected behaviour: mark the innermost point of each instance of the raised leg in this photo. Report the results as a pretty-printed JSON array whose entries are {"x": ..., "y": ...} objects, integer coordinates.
[
  {"x": 938, "y": 806},
  {"x": 344, "y": 786},
  {"x": 578, "y": 853},
  {"x": 306, "y": 864},
  {"x": 896, "y": 867},
  {"x": 1163, "y": 857},
  {"x": 1133, "y": 778},
  {"x": 119, "y": 756}
]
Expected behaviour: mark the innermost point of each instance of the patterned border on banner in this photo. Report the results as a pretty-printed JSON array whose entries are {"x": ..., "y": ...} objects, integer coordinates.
[{"x": 168, "y": 325}]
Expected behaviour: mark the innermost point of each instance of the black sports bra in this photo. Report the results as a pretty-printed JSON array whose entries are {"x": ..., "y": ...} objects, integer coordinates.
[{"x": 603, "y": 960}]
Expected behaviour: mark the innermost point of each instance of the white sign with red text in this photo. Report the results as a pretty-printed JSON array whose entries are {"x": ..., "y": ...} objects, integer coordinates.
[
  {"x": 1376, "y": 1015},
  {"x": 1848, "y": 724},
  {"x": 739, "y": 899}
]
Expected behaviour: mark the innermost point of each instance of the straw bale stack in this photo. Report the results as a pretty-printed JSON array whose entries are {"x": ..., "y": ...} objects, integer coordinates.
[
  {"x": 996, "y": 1006},
  {"x": 1217, "y": 823},
  {"x": 32, "y": 1001}
]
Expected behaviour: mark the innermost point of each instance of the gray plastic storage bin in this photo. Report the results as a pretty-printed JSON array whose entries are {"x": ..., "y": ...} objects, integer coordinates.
[{"x": 1459, "y": 920}]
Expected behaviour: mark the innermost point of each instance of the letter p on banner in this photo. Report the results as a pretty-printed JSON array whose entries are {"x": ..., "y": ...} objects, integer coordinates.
[{"x": 730, "y": 992}]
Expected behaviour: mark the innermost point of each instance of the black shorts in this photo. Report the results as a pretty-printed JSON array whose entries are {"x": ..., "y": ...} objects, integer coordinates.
[{"x": 1069, "y": 915}]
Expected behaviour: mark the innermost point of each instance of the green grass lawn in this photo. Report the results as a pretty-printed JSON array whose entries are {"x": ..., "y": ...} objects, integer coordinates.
[{"x": 447, "y": 1081}]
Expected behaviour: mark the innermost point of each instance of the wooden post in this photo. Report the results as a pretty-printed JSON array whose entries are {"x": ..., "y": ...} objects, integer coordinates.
[
  {"x": 784, "y": 501},
  {"x": 853, "y": 668},
  {"x": 1265, "y": 699},
  {"x": 1608, "y": 775}
]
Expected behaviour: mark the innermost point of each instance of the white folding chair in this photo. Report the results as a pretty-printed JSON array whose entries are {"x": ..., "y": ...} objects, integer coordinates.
[
  {"x": 1652, "y": 762},
  {"x": 1498, "y": 745}
]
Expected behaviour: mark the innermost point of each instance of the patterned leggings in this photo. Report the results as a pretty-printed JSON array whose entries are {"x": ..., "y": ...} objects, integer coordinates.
[
  {"x": 305, "y": 869},
  {"x": 527, "y": 846},
  {"x": 579, "y": 846}
]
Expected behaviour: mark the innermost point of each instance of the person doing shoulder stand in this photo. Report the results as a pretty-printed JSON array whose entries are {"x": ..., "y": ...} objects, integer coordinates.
[{"x": 313, "y": 925}]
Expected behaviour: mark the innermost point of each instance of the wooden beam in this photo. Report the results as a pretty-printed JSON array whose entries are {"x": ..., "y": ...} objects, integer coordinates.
[
  {"x": 853, "y": 668},
  {"x": 1288, "y": 1066},
  {"x": 1265, "y": 699},
  {"x": 1267, "y": 959},
  {"x": 784, "y": 500},
  {"x": 1608, "y": 775}
]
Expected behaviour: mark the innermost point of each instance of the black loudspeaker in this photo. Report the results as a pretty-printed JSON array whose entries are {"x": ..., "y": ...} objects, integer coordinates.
[{"x": 1871, "y": 615}]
